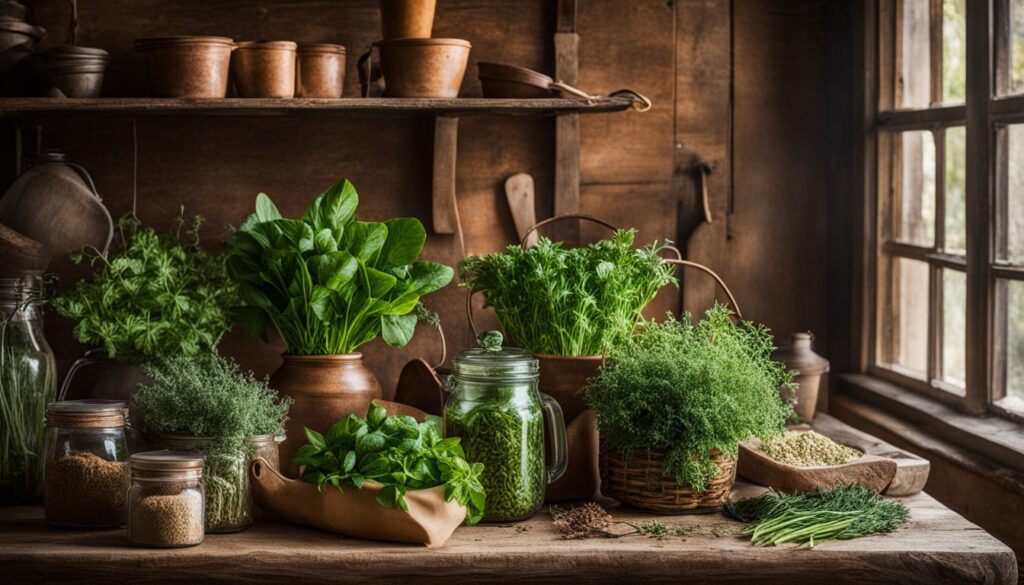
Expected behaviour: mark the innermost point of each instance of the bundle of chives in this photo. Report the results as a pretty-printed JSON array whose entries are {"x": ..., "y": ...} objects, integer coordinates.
[{"x": 838, "y": 513}]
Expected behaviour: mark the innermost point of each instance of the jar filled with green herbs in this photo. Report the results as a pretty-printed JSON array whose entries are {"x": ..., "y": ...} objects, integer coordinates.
[
  {"x": 28, "y": 382},
  {"x": 497, "y": 411}
]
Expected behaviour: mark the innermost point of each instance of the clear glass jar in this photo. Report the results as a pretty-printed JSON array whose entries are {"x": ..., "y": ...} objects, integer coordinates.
[
  {"x": 166, "y": 500},
  {"x": 225, "y": 479},
  {"x": 86, "y": 475},
  {"x": 28, "y": 382},
  {"x": 495, "y": 408}
]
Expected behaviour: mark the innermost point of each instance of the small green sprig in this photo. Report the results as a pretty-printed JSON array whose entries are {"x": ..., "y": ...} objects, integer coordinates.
[{"x": 397, "y": 452}]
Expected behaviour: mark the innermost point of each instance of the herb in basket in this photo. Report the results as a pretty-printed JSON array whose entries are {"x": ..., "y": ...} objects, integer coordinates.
[
  {"x": 397, "y": 452},
  {"x": 328, "y": 283},
  {"x": 690, "y": 389},
  {"x": 161, "y": 294},
  {"x": 569, "y": 301},
  {"x": 207, "y": 403},
  {"x": 838, "y": 513}
]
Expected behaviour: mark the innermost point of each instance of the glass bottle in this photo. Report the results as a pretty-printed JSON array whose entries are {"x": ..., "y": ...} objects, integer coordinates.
[
  {"x": 166, "y": 500},
  {"x": 28, "y": 382},
  {"x": 495, "y": 408},
  {"x": 225, "y": 479},
  {"x": 86, "y": 474}
]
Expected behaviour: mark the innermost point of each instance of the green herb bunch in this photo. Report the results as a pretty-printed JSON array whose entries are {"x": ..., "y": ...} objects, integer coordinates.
[
  {"x": 569, "y": 301},
  {"x": 690, "y": 388},
  {"x": 396, "y": 452},
  {"x": 838, "y": 513},
  {"x": 327, "y": 282},
  {"x": 161, "y": 294},
  {"x": 209, "y": 396}
]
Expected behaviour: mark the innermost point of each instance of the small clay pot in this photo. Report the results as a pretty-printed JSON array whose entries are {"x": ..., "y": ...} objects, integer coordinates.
[
  {"x": 187, "y": 67},
  {"x": 325, "y": 388},
  {"x": 406, "y": 19},
  {"x": 321, "y": 71},
  {"x": 423, "y": 68},
  {"x": 264, "y": 69}
]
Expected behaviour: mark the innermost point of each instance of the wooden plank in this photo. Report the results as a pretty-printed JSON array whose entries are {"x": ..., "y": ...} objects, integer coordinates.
[
  {"x": 935, "y": 546},
  {"x": 445, "y": 203},
  {"x": 10, "y": 107},
  {"x": 567, "y": 138},
  {"x": 922, "y": 119},
  {"x": 911, "y": 470}
]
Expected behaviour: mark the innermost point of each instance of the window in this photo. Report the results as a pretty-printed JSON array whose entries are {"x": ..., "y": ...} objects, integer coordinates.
[{"x": 948, "y": 276}]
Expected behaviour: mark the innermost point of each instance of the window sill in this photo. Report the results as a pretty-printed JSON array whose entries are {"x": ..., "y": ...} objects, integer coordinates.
[{"x": 998, "y": 440}]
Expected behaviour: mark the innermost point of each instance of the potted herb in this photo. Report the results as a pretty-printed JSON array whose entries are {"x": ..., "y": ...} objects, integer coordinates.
[
  {"x": 568, "y": 306},
  {"x": 328, "y": 283},
  {"x": 674, "y": 401},
  {"x": 161, "y": 294},
  {"x": 206, "y": 403}
]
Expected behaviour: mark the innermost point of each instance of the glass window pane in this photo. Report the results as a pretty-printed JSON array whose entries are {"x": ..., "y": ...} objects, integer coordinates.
[
  {"x": 915, "y": 73},
  {"x": 956, "y": 199},
  {"x": 954, "y": 51},
  {"x": 1014, "y": 358},
  {"x": 915, "y": 204},
  {"x": 1016, "y": 46},
  {"x": 908, "y": 317},
  {"x": 954, "y": 327},
  {"x": 1010, "y": 235}
]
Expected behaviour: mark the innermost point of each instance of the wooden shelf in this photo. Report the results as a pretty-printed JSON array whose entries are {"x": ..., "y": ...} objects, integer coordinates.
[{"x": 48, "y": 107}]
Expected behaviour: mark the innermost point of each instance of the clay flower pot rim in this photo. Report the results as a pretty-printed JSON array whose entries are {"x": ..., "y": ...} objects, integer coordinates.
[
  {"x": 266, "y": 45},
  {"x": 344, "y": 357},
  {"x": 321, "y": 48},
  {"x": 154, "y": 42},
  {"x": 548, "y": 357},
  {"x": 424, "y": 42}
]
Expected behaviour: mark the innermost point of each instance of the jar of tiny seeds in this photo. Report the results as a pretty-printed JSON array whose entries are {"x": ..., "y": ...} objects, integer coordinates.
[{"x": 166, "y": 501}]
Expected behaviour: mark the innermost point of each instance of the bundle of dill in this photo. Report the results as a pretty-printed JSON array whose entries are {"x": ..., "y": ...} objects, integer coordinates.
[{"x": 838, "y": 513}]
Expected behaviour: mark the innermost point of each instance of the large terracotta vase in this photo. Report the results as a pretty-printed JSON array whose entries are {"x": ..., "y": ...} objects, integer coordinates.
[
  {"x": 562, "y": 378},
  {"x": 325, "y": 388}
]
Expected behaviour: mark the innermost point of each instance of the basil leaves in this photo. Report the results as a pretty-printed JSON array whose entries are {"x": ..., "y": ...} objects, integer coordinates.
[{"x": 330, "y": 283}]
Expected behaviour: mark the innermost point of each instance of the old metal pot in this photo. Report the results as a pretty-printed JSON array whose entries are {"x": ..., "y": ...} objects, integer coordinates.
[{"x": 808, "y": 367}]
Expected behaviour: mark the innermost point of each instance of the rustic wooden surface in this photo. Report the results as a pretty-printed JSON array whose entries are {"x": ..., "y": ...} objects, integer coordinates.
[{"x": 935, "y": 546}]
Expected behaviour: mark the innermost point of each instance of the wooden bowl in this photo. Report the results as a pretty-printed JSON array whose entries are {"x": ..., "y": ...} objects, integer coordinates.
[
  {"x": 874, "y": 472},
  {"x": 509, "y": 81}
]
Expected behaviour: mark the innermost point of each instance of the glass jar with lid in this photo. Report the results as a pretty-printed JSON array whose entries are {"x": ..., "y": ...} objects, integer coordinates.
[
  {"x": 229, "y": 506},
  {"x": 166, "y": 500},
  {"x": 86, "y": 474},
  {"x": 28, "y": 382},
  {"x": 495, "y": 408}
]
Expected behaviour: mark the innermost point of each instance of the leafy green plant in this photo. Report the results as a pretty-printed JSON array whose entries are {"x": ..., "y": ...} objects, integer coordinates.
[
  {"x": 161, "y": 294},
  {"x": 569, "y": 301},
  {"x": 396, "y": 452},
  {"x": 838, "y": 513},
  {"x": 690, "y": 389},
  {"x": 209, "y": 397},
  {"x": 327, "y": 282}
]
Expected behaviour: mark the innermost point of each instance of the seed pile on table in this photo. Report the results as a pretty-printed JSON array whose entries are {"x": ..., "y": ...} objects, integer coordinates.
[
  {"x": 167, "y": 520},
  {"x": 582, "y": 521},
  {"x": 83, "y": 489},
  {"x": 808, "y": 449}
]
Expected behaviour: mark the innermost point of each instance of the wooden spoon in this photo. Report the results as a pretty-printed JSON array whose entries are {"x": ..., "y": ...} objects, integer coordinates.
[{"x": 519, "y": 191}]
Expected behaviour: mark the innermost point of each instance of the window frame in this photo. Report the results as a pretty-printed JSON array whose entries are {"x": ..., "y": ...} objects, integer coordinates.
[{"x": 985, "y": 114}]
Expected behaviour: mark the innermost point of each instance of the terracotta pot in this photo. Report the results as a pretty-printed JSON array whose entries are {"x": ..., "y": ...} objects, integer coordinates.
[
  {"x": 187, "y": 67},
  {"x": 56, "y": 204},
  {"x": 321, "y": 71},
  {"x": 562, "y": 378},
  {"x": 325, "y": 388},
  {"x": 264, "y": 69},
  {"x": 423, "y": 68},
  {"x": 407, "y": 19}
]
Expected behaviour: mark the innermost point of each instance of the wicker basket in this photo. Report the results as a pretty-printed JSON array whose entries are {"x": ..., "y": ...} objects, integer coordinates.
[{"x": 640, "y": 482}]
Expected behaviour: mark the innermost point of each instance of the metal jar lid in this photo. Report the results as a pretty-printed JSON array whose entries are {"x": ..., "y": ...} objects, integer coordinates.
[
  {"x": 492, "y": 362},
  {"x": 167, "y": 465},
  {"x": 86, "y": 414}
]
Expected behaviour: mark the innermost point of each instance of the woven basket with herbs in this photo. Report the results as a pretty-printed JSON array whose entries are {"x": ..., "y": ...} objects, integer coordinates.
[{"x": 640, "y": 481}]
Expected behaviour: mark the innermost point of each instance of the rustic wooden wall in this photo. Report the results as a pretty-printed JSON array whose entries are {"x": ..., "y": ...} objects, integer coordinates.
[{"x": 738, "y": 84}]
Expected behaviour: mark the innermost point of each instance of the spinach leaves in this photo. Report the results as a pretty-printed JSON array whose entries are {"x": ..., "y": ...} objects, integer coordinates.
[
  {"x": 327, "y": 282},
  {"x": 397, "y": 452}
]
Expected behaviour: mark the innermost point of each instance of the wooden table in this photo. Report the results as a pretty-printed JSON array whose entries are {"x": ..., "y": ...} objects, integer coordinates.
[{"x": 935, "y": 546}]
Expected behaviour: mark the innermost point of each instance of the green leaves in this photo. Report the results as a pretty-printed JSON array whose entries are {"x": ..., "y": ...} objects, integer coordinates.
[
  {"x": 327, "y": 282},
  {"x": 160, "y": 295},
  {"x": 396, "y": 452},
  {"x": 570, "y": 302}
]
